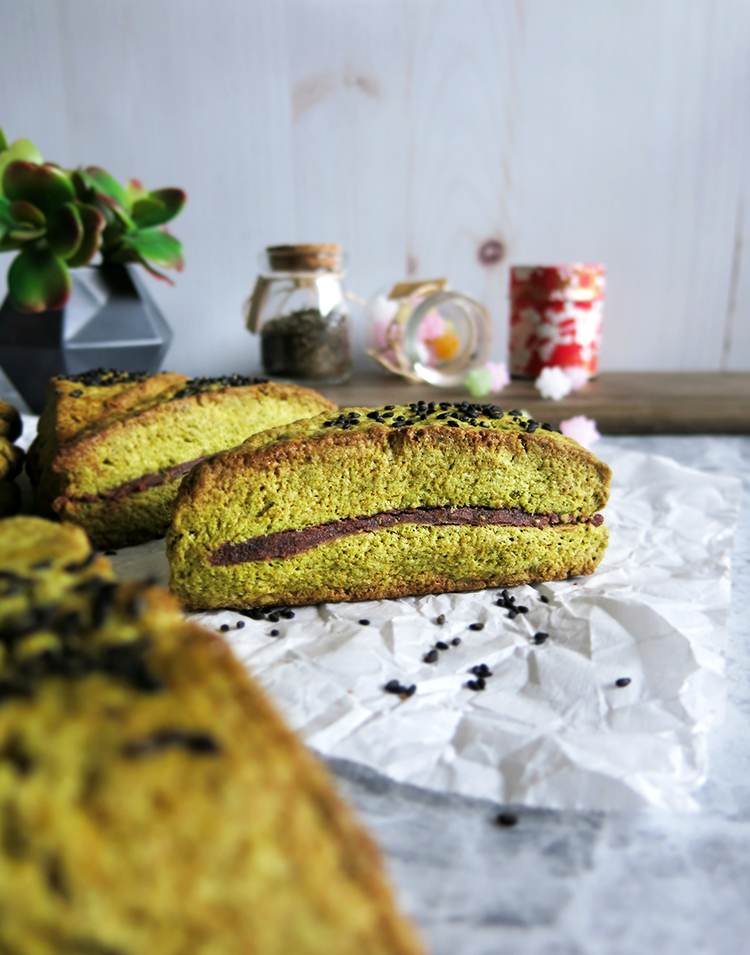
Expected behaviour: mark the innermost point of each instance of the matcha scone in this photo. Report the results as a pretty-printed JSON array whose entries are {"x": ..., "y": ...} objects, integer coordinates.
[
  {"x": 386, "y": 502},
  {"x": 112, "y": 447},
  {"x": 151, "y": 799}
]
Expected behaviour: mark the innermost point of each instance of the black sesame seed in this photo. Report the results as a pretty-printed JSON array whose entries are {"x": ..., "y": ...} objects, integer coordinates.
[
  {"x": 623, "y": 681},
  {"x": 521, "y": 609},
  {"x": 545, "y": 600},
  {"x": 110, "y": 553},
  {"x": 392, "y": 686},
  {"x": 287, "y": 614},
  {"x": 454, "y": 424},
  {"x": 455, "y": 641},
  {"x": 224, "y": 628},
  {"x": 42, "y": 564},
  {"x": 389, "y": 407},
  {"x": 388, "y": 414},
  {"x": 540, "y": 638},
  {"x": 274, "y": 633},
  {"x": 440, "y": 620},
  {"x": 256, "y": 614},
  {"x": 440, "y": 645},
  {"x": 481, "y": 669},
  {"x": 511, "y": 614},
  {"x": 506, "y": 819},
  {"x": 477, "y": 684},
  {"x": 364, "y": 623},
  {"x": 431, "y": 656},
  {"x": 515, "y": 412},
  {"x": 476, "y": 626},
  {"x": 240, "y": 624},
  {"x": 273, "y": 617},
  {"x": 483, "y": 424}
]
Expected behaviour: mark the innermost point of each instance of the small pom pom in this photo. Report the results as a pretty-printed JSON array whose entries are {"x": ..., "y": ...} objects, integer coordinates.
[
  {"x": 499, "y": 373},
  {"x": 553, "y": 383},
  {"x": 577, "y": 376},
  {"x": 581, "y": 429},
  {"x": 478, "y": 382}
]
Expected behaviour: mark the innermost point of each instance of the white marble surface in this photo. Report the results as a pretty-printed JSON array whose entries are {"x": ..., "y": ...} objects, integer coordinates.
[{"x": 589, "y": 883}]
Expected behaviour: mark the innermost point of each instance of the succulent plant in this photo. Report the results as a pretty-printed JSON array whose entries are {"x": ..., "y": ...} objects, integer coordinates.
[{"x": 58, "y": 219}]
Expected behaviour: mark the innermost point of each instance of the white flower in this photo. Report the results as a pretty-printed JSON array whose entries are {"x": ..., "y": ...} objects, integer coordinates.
[
  {"x": 553, "y": 383},
  {"x": 581, "y": 429}
]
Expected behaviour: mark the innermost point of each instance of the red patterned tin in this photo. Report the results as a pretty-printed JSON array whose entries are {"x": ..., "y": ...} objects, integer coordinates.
[{"x": 555, "y": 318}]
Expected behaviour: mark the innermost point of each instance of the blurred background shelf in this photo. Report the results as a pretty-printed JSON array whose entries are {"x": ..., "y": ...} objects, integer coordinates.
[{"x": 621, "y": 402}]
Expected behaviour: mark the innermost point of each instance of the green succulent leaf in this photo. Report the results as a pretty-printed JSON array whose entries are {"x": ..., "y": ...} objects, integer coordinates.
[
  {"x": 105, "y": 186},
  {"x": 45, "y": 186},
  {"x": 65, "y": 230},
  {"x": 20, "y": 149},
  {"x": 148, "y": 212},
  {"x": 38, "y": 280},
  {"x": 156, "y": 245},
  {"x": 20, "y": 222},
  {"x": 3, "y": 141},
  {"x": 93, "y": 225},
  {"x": 25, "y": 233},
  {"x": 134, "y": 191},
  {"x": 158, "y": 207},
  {"x": 6, "y": 219},
  {"x": 26, "y": 212}
]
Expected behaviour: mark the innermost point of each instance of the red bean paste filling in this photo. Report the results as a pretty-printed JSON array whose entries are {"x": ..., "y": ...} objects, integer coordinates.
[
  {"x": 282, "y": 544},
  {"x": 139, "y": 484}
]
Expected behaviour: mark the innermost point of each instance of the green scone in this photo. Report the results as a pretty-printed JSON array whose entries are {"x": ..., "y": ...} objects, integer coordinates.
[
  {"x": 113, "y": 446},
  {"x": 386, "y": 502}
]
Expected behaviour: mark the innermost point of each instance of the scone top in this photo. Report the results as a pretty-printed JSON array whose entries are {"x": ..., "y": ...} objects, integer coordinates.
[{"x": 444, "y": 413}]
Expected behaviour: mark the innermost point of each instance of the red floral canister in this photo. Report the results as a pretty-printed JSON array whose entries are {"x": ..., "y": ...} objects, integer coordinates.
[{"x": 555, "y": 318}]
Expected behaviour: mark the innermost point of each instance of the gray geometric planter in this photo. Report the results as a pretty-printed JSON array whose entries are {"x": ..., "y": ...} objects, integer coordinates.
[{"x": 110, "y": 321}]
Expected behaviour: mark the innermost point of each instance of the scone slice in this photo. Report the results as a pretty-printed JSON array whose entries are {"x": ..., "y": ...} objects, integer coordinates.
[
  {"x": 370, "y": 504},
  {"x": 151, "y": 799},
  {"x": 114, "y": 469}
]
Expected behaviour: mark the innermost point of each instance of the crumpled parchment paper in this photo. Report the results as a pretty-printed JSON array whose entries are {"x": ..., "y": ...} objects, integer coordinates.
[{"x": 551, "y": 728}]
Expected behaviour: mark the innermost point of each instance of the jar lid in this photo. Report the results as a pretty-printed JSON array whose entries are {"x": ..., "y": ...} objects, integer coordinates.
[{"x": 304, "y": 258}]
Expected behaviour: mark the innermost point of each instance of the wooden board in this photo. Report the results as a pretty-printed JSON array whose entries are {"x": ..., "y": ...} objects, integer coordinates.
[{"x": 620, "y": 402}]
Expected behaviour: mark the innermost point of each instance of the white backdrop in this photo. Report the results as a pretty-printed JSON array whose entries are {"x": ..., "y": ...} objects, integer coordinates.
[{"x": 414, "y": 131}]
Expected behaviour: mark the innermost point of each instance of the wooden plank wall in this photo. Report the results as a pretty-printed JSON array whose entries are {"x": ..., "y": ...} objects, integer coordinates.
[{"x": 415, "y": 132}]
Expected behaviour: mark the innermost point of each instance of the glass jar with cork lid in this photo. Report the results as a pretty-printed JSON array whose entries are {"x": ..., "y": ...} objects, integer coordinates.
[{"x": 300, "y": 311}]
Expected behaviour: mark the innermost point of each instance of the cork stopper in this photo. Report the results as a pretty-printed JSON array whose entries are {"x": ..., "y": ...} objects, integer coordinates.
[{"x": 304, "y": 258}]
